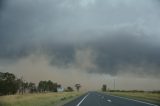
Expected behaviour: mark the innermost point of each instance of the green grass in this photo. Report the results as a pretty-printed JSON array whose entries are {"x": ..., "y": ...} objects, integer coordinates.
[
  {"x": 143, "y": 96},
  {"x": 39, "y": 99}
]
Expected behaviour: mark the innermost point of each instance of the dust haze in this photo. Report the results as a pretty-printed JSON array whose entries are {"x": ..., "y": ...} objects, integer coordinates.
[{"x": 37, "y": 67}]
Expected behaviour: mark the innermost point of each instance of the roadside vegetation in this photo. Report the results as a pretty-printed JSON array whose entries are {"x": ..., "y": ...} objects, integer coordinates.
[
  {"x": 40, "y": 99},
  {"x": 18, "y": 92},
  {"x": 10, "y": 84},
  {"x": 147, "y": 96}
]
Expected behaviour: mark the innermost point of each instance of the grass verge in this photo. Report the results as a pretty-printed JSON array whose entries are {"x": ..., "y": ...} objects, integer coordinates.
[
  {"x": 143, "y": 96},
  {"x": 39, "y": 99}
]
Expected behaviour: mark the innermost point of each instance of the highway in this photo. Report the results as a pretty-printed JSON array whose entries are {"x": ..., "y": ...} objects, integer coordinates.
[{"x": 100, "y": 99}]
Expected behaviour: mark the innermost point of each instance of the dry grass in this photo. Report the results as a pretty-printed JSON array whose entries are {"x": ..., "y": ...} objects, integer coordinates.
[
  {"x": 40, "y": 99},
  {"x": 144, "y": 96}
]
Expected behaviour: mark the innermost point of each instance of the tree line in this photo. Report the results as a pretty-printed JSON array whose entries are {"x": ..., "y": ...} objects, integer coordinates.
[{"x": 10, "y": 84}]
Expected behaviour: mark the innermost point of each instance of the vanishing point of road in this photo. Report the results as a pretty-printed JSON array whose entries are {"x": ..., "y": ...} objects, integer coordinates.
[{"x": 100, "y": 99}]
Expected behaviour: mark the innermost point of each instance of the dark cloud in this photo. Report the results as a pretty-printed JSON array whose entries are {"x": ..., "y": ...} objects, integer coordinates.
[
  {"x": 2, "y": 3},
  {"x": 125, "y": 50},
  {"x": 120, "y": 33}
]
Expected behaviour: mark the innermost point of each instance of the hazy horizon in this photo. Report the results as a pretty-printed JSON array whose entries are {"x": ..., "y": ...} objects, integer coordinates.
[{"x": 91, "y": 42}]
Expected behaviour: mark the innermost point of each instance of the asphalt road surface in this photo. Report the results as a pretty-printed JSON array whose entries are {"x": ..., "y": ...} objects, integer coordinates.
[{"x": 100, "y": 99}]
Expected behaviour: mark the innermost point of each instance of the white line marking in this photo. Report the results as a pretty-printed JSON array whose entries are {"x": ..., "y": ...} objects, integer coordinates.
[
  {"x": 82, "y": 100},
  {"x": 134, "y": 100},
  {"x": 109, "y": 100}
]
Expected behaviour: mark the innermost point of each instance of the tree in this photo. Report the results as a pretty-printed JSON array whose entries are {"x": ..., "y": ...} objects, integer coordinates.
[
  {"x": 104, "y": 88},
  {"x": 49, "y": 85},
  {"x": 26, "y": 86},
  {"x": 55, "y": 86},
  {"x": 69, "y": 89},
  {"x": 52, "y": 86},
  {"x": 8, "y": 83},
  {"x": 32, "y": 87},
  {"x": 20, "y": 85},
  {"x": 78, "y": 86},
  {"x": 23, "y": 85},
  {"x": 44, "y": 86}
]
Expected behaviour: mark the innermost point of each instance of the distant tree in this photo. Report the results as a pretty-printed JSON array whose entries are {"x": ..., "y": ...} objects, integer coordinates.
[
  {"x": 55, "y": 86},
  {"x": 52, "y": 86},
  {"x": 22, "y": 85},
  {"x": 49, "y": 85},
  {"x": 26, "y": 86},
  {"x": 8, "y": 83},
  {"x": 69, "y": 89},
  {"x": 32, "y": 87},
  {"x": 104, "y": 88},
  {"x": 44, "y": 86},
  {"x": 78, "y": 86}
]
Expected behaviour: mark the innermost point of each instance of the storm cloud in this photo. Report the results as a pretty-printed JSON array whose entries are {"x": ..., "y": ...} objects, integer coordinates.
[{"x": 111, "y": 37}]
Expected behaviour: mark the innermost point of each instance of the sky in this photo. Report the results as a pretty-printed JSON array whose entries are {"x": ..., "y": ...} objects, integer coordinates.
[{"x": 91, "y": 42}]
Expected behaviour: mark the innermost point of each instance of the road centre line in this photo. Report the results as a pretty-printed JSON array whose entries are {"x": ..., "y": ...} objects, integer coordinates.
[{"x": 82, "y": 100}]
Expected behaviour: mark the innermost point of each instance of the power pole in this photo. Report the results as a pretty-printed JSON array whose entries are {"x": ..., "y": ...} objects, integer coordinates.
[{"x": 114, "y": 84}]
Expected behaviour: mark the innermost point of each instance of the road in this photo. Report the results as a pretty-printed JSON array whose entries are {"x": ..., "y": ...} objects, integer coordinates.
[{"x": 100, "y": 99}]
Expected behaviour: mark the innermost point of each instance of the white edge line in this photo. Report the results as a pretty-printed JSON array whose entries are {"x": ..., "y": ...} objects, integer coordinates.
[
  {"x": 82, "y": 100},
  {"x": 133, "y": 100}
]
